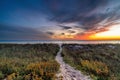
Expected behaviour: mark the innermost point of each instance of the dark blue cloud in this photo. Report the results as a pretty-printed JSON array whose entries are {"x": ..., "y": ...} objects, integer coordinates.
[
  {"x": 50, "y": 33},
  {"x": 65, "y": 27},
  {"x": 71, "y": 10},
  {"x": 88, "y": 13},
  {"x": 21, "y": 33}
]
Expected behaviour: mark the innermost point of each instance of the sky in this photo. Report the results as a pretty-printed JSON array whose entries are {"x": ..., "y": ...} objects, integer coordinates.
[{"x": 59, "y": 19}]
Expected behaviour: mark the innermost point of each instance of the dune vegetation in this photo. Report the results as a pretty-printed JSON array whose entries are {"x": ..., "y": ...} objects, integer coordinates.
[
  {"x": 100, "y": 61},
  {"x": 28, "y": 61}
]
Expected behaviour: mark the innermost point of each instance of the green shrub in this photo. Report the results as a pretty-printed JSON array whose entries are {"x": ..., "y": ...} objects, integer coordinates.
[{"x": 1, "y": 75}]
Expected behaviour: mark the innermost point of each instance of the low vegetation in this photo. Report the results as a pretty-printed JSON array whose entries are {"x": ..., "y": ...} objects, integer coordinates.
[
  {"x": 28, "y": 61},
  {"x": 100, "y": 61}
]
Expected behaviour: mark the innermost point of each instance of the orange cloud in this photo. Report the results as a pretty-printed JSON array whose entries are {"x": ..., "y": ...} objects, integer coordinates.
[
  {"x": 104, "y": 33},
  {"x": 107, "y": 32},
  {"x": 112, "y": 34}
]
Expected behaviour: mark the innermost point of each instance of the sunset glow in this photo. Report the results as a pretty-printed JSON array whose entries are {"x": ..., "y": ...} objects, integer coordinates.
[{"x": 113, "y": 34}]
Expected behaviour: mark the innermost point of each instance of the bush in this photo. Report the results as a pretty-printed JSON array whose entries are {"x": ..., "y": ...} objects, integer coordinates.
[
  {"x": 102, "y": 55},
  {"x": 7, "y": 69},
  {"x": 44, "y": 70},
  {"x": 1, "y": 75},
  {"x": 97, "y": 68},
  {"x": 28, "y": 61}
]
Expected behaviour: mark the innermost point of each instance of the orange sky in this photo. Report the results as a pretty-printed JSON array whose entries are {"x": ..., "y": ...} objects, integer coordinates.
[{"x": 110, "y": 33}]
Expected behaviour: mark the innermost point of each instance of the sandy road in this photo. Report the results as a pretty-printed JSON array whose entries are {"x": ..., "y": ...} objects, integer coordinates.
[{"x": 67, "y": 72}]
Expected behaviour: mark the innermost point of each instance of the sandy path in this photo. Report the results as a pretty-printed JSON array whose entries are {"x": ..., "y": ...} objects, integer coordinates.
[{"x": 67, "y": 72}]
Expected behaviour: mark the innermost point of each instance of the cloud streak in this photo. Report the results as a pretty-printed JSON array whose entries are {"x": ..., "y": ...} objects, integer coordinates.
[
  {"x": 65, "y": 27},
  {"x": 21, "y": 33}
]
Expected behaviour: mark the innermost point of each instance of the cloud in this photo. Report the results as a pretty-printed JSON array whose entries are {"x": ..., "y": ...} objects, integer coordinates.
[
  {"x": 87, "y": 13},
  {"x": 62, "y": 34},
  {"x": 71, "y": 31},
  {"x": 81, "y": 17},
  {"x": 73, "y": 10},
  {"x": 50, "y": 33},
  {"x": 21, "y": 33},
  {"x": 65, "y": 27}
]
